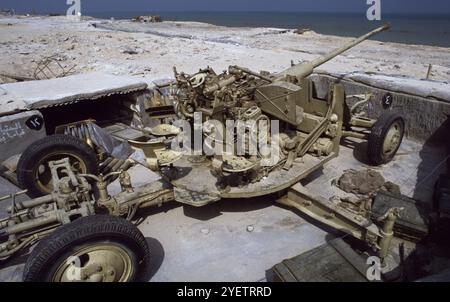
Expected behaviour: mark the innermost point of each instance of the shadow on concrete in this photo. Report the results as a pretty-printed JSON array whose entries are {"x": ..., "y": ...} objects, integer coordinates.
[
  {"x": 146, "y": 212},
  {"x": 228, "y": 205},
  {"x": 435, "y": 149},
  {"x": 11, "y": 270},
  {"x": 312, "y": 176},
  {"x": 212, "y": 210},
  {"x": 359, "y": 149},
  {"x": 176, "y": 173},
  {"x": 156, "y": 257},
  {"x": 271, "y": 275},
  {"x": 429, "y": 256},
  {"x": 331, "y": 231},
  {"x": 16, "y": 260},
  {"x": 432, "y": 254}
]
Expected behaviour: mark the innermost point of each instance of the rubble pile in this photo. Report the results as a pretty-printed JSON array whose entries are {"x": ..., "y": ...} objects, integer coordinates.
[
  {"x": 365, "y": 182},
  {"x": 147, "y": 19}
]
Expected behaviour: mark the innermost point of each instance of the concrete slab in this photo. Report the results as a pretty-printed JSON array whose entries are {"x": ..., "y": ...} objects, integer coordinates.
[
  {"x": 419, "y": 87},
  {"x": 228, "y": 241},
  {"x": 38, "y": 94}
]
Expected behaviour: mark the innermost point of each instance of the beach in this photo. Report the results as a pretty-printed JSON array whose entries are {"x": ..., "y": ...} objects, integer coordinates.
[{"x": 150, "y": 51}]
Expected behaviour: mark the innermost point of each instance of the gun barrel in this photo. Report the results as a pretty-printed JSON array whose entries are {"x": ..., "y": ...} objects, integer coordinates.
[{"x": 306, "y": 69}]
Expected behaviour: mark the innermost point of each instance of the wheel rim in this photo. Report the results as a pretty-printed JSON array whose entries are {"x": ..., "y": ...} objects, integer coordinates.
[
  {"x": 105, "y": 262},
  {"x": 393, "y": 138},
  {"x": 43, "y": 174}
]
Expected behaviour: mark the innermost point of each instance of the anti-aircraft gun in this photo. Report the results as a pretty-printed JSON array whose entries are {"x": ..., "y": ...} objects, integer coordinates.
[
  {"x": 77, "y": 225},
  {"x": 307, "y": 125},
  {"x": 307, "y": 136}
]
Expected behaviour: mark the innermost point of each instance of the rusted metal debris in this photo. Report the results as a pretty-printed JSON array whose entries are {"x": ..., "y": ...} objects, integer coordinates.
[
  {"x": 50, "y": 67},
  {"x": 47, "y": 68}
]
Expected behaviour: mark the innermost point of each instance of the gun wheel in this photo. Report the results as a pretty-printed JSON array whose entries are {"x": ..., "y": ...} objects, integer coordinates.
[
  {"x": 33, "y": 171},
  {"x": 43, "y": 175},
  {"x": 385, "y": 138},
  {"x": 99, "y": 248}
]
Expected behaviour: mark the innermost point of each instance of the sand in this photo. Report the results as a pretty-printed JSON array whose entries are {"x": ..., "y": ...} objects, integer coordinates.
[{"x": 150, "y": 51}]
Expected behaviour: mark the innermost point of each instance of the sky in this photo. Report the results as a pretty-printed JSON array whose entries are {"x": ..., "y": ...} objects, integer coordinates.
[{"x": 339, "y": 6}]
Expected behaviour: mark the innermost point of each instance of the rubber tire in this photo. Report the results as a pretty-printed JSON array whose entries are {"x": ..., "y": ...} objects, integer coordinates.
[
  {"x": 50, "y": 251},
  {"x": 378, "y": 134},
  {"x": 28, "y": 162}
]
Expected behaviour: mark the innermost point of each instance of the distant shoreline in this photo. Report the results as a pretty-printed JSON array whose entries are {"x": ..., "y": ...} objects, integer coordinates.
[
  {"x": 430, "y": 30},
  {"x": 433, "y": 30}
]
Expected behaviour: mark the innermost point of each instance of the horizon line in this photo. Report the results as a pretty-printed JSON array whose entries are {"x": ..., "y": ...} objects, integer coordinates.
[
  {"x": 87, "y": 12},
  {"x": 270, "y": 11}
]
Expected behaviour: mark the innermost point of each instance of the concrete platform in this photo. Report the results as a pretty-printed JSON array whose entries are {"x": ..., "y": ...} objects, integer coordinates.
[{"x": 239, "y": 240}]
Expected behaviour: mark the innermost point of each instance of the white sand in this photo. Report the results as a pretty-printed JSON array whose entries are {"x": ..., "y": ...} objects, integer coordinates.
[{"x": 191, "y": 45}]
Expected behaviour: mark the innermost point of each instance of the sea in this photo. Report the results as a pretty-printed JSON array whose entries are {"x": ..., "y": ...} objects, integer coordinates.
[{"x": 410, "y": 29}]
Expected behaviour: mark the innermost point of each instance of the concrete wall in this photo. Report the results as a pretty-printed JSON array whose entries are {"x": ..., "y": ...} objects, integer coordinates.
[
  {"x": 424, "y": 116},
  {"x": 18, "y": 131}
]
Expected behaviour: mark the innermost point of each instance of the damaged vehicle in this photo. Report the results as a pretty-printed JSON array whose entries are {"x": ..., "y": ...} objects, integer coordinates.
[{"x": 81, "y": 230}]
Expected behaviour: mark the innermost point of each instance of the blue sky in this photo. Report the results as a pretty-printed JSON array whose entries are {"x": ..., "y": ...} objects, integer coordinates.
[{"x": 341, "y": 6}]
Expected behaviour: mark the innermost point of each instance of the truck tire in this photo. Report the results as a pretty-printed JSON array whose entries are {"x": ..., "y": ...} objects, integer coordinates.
[
  {"x": 33, "y": 172},
  {"x": 98, "y": 248},
  {"x": 385, "y": 138}
]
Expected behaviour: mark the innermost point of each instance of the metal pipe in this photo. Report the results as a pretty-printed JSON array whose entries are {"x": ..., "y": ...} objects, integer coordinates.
[
  {"x": 110, "y": 165},
  {"x": 220, "y": 85},
  {"x": 303, "y": 70},
  {"x": 119, "y": 164},
  {"x": 105, "y": 164},
  {"x": 335, "y": 53},
  {"x": 12, "y": 195},
  {"x": 34, "y": 202},
  {"x": 34, "y": 223},
  {"x": 250, "y": 72},
  {"x": 362, "y": 122},
  {"x": 387, "y": 232},
  {"x": 354, "y": 134}
]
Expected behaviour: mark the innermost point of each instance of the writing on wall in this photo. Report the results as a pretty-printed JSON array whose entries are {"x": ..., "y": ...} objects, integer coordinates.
[{"x": 10, "y": 131}]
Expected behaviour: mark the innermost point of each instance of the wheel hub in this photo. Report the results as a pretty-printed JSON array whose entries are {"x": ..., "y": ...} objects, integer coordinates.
[
  {"x": 392, "y": 139},
  {"x": 43, "y": 174},
  {"x": 96, "y": 263}
]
